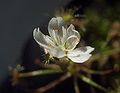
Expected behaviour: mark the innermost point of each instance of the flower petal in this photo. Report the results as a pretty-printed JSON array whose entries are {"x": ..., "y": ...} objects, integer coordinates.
[
  {"x": 71, "y": 31},
  {"x": 40, "y": 38},
  {"x": 80, "y": 55},
  {"x": 50, "y": 41},
  {"x": 81, "y": 50},
  {"x": 55, "y": 29},
  {"x": 65, "y": 36},
  {"x": 55, "y": 24},
  {"x": 56, "y": 52},
  {"x": 79, "y": 58},
  {"x": 86, "y": 50},
  {"x": 71, "y": 43},
  {"x": 89, "y": 49}
]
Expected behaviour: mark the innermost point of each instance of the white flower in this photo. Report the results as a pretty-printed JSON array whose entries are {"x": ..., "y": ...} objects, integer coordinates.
[{"x": 62, "y": 41}]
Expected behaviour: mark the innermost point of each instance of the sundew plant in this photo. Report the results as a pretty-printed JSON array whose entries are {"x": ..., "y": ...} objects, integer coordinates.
[
  {"x": 64, "y": 55},
  {"x": 83, "y": 48}
]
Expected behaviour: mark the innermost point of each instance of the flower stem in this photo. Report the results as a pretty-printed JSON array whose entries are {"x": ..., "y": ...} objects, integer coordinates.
[
  {"x": 38, "y": 72},
  {"x": 53, "y": 84},
  {"x": 76, "y": 86},
  {"x": 91, "y": 82}
]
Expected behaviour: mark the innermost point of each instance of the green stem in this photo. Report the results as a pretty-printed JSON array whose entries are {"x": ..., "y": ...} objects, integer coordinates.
[
  {"x": 89, "y": 81},
  {"x": 76, "y": 86},
  {"x": 38, "y": 72}
]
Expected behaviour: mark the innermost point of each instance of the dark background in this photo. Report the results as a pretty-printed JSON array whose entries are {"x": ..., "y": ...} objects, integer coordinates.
[{"x": 18, "y": 18}]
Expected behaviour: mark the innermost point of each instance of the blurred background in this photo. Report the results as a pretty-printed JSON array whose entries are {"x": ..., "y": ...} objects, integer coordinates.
[
  {"x": 97, "y": 20},
  {"x": 18, "y": 20}
]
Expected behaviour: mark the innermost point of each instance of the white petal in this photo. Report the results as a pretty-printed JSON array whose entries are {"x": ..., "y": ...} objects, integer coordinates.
[
  {"x": 40, "y": 38},
  {"x": 89, "y": 49},
  {"x": 49, "y": 41},
  {"x": 86, "y": 50},
  {"x": 71, "y": 31},
  {"x": 81, "y": 50},
  {"x": 65, "y": 36},
  {"x": 80, "y": 55},
  {"x": 80, "y": 58},
  {"x": 55, "y": 24},
  {"x": 56, "y": 52},
  {"x": 71, "y": 42},
  {"x": 55, "y": 29}
]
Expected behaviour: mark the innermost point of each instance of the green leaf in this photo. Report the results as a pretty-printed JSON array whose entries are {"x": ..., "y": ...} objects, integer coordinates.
[{"x": 91, "y": 82}]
